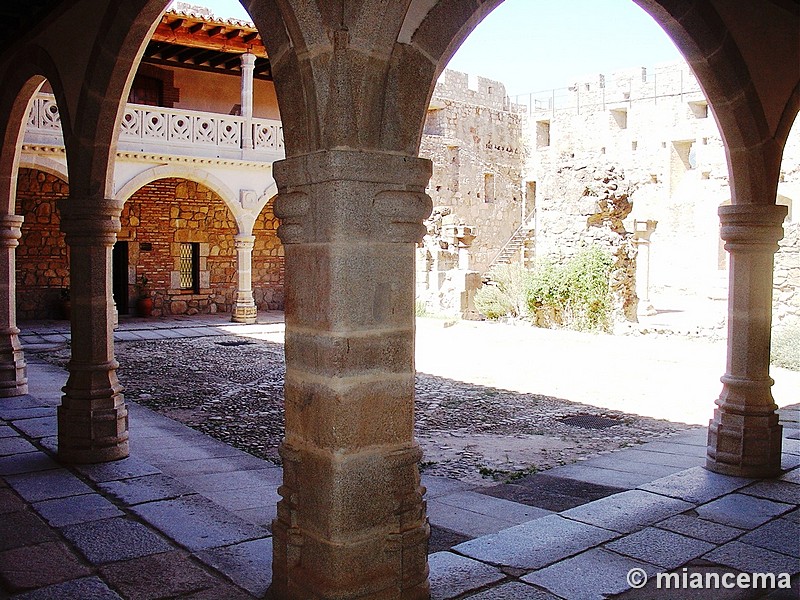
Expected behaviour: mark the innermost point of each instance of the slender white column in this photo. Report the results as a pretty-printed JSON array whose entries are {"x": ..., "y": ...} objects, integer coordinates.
[
  {"x": 13, "y": 371},
  {"x": 248, "y": 65},
  {"x": 244, "y": 309}
]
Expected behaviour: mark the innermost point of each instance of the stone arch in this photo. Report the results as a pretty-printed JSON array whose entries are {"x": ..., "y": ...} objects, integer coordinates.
[
  {"x": 160, "y": 218},
  {"x": 33, "y": 67},
  {"x": 45, "y": 165}
]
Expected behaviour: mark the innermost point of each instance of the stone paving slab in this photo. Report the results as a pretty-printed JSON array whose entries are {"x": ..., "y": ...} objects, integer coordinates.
[
  {"x": 76, "y": 509},
  {"x": 237, "y": 462},
  {"x": 29, "y": 462},
  {"x": 229, "y": 480},
  {"x": 626, "y": 465},
  {"x": 596, "y": 475},
  {"x": 739, "y": 510},
  {"x": 513, "y": 590},
  {"x": 264, "y": 497},
  {"x": 780, "y": 491},
  {"x": 6, "y": 431},
  {"x": 166, "y": 575},
  {"x": 37, "y": 427},
  {"x": 696, "y": 485},
  {"x": 190, "y": 452},
  {"x": 752, "y": 559},
  {"x": 694, "y": 526},
  {"x": 15, "y": 414},
  {"x": 627, "y": 511},
  {"x": 488, "y": 506},
  {"x": 549, "y": 492},
  {"x": 659, "y": 547},
  {"x": 197, "y": 523},
  {"x": 592, "y": 575},
  {"x": 9, "y": 501},
  {"x": 111, "y": 540},
  {"x": 145, "y": 489},
  {"x": 452, "y": 575},
  {"x": 657, "y": 458},
  {"x": 780, "y": 535},
  {"x": 46, "y": 485},
  {"x": 463, "y": 521},
  {"x": 248, "y": 565},
  {"x": 438, "y": 486},
  {"x": 118, "y": 469},
  {"x": 33, "y": 566},
  {"x": 442, "y": 539},
  {"x": 85, "y": 588},
  {"x": 15, "y": 445},
  {"x": 669, "y": 447},
  {"x": 22, "y": 527},
  {"x": 535, "y": 544},
  {"x": 792, "y": 476}
]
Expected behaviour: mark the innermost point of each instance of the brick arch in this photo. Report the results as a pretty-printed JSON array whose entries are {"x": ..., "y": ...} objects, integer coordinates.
[{"x": 156, "y": 220}]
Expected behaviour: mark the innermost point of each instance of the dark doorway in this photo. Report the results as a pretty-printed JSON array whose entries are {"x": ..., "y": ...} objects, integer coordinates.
[{"x": 119, "y": 274}]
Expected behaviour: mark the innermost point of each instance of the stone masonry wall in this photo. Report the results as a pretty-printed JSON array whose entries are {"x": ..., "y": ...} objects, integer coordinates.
[
  {"x": 786, "y": 294},
  {"x": 42, "y": 256},
  {"x": 478, "y": 152},
  {"x": 162, "y": 214}
]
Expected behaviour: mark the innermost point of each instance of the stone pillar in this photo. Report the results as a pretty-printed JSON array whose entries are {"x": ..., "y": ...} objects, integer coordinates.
[
  {"x": 351, "y": 522},
  {"x": 642, "y": 230},
  {"x": 744, "y": 437},
  {"x": 92, "y": 418},
  {"x": 244, "y": 308},
  {"x": 13, "y": 372},
  {"x": 248, "y": 65}
]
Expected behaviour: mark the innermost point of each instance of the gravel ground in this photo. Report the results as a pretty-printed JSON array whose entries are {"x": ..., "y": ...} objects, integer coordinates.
[{"x": 231, "y": 388}]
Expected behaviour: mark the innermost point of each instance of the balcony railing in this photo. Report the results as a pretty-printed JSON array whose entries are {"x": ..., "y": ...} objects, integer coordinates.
[{"x": 170, "y": 131}]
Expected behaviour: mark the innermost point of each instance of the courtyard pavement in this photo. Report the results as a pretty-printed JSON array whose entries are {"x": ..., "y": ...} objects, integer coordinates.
[{"x": 188, "y": 516}]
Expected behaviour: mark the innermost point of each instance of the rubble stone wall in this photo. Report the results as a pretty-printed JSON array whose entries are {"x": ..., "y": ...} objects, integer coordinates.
[
  {"x": 786, "y": 293},
  {"x": 478, "y": 151}
]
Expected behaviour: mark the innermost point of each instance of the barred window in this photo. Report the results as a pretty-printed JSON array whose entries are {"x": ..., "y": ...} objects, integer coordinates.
[{"x": 190, "y": 267}]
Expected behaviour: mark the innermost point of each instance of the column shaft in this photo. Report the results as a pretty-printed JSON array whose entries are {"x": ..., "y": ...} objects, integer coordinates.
[
  {"x": 744, "y": 437},
  {"x": 247, "y": 66},
  {"x": 351, "y": 522},
  {"x": 92, "y": 418},
  {"x": 244, "y": 309},
  {"x": 13, "y": 371}
]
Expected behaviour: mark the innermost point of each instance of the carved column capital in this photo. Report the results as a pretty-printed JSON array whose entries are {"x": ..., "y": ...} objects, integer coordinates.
[
  {"x": 752, "y": 227},
  {"x": 10, "y": 230},
  {"x": 87, "y": 222},
  {"x": 334, "y": 195},
  {"x": 244, "y": 242}
]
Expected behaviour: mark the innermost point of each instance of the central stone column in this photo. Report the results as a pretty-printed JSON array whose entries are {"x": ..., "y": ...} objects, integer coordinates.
[
  {"x": 744, "y": 437},
  {"x": 244, "y": 308},
  {"x": 351, "y": 522},
  {"x": 92, "y": 418},
  {"x": 13, "y": 371}
]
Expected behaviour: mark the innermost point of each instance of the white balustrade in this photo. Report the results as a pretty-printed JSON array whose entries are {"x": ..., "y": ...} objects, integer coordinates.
[{"x": 168, "y": 130}]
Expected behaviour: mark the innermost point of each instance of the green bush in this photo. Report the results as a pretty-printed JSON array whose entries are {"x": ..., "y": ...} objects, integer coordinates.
[
  {"x": 575, "y": 294},
  {"x": 786, "y": 347}
]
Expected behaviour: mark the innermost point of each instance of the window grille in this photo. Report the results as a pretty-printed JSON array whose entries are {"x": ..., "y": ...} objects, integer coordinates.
[{"x": 190, "y": 267}]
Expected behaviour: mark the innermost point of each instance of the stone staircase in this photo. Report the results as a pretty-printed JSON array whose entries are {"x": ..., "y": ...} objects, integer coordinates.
[{"x": 514, "y": 243}]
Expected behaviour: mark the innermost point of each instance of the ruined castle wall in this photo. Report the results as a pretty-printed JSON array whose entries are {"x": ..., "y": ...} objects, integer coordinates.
[{"x": 477, "y": 147}]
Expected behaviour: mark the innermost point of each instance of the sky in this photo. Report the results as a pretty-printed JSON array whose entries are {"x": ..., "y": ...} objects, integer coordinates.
[{"x": 535, "y": 45}]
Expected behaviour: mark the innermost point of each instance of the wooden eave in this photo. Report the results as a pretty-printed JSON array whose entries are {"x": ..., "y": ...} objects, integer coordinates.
[{"x": 202, "y": 43}]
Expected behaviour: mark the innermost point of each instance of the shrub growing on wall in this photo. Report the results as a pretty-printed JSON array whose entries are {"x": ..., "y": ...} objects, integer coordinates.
[{"x": 506, "y": 295}]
